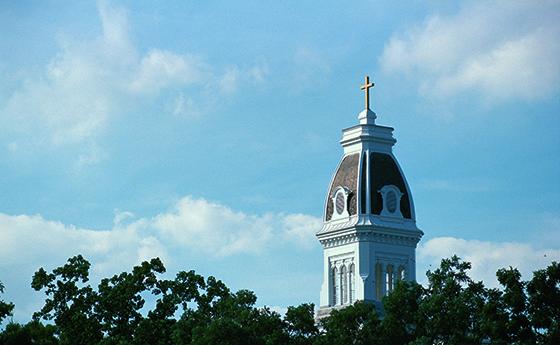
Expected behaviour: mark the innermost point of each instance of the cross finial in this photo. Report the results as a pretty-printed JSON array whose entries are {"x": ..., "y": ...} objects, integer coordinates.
[{"x": 367, "y": 85}]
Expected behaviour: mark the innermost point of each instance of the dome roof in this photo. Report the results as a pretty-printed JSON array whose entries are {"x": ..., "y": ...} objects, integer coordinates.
[
  {"x": 352, "y": 174},
  {"x": 368, "y": 180}
]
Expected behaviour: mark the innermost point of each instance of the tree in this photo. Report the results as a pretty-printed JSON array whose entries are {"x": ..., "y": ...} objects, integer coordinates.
[
  {"x": 517, "y": 328},
  {"x": 401, "y": 306},
  {"x": 33, "y": 333},
  {"x": 159, "y": 327},
  {"x": 119, "y": 300},
  {"x": 495, "y": 318},
  {"x": 115, "y": 313},
  {"x": 544, "y": 303},
  {"x": 6, "y": 308},
  {"x": 449, "y": 309},
  {"x": 300, "y": 324},
  {"x": 191, "y": 310},
  {"x": 70, "y": 302},
  {"x": 356, "y": 324},
  {"x": 223, "y": 317}
]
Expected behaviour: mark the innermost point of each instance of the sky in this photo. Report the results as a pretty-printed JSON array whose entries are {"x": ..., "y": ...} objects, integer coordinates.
[{"x": 206, "y": 133}]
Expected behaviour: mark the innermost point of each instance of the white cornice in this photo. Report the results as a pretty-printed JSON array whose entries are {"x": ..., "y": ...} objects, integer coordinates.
[
  {"x": 366, "y": 221},
  {"x": 370, "y": 136},
  {"x": 370, "y": 236},
  {"x": 333, "y": 236}
]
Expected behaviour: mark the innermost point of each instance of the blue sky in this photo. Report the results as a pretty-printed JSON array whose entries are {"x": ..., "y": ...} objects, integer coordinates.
[{"x": 206, "y": 133}]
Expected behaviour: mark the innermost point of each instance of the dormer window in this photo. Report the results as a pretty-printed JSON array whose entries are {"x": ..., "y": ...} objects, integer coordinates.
[
  {"x": 391, "y": 201},
  {"x": 340, "y": 202}
]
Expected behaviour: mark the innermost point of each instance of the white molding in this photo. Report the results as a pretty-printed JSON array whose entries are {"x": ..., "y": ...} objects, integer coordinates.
[
  {"x": 409, "y": 241},
  {"x": 384, "y": 191},
  {"x": 345, "y": 192}
]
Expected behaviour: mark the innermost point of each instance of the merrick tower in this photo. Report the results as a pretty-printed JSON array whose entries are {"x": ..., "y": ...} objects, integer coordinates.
[{"x": 369, "y": 234}]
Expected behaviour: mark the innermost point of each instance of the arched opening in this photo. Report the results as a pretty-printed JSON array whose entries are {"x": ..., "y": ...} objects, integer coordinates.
[
  {"x": 352, "y": 290},
  {"x": 335, "y": 286},
  {"x": 401, "y": 273},
  {"x": 378, "y": 282},
  {"x": 389, "y": 283},
  {"x": 344, "y": 285}
]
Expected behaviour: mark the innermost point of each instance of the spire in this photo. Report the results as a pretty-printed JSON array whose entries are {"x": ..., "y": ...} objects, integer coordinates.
[{"x": 367, "y": 117}]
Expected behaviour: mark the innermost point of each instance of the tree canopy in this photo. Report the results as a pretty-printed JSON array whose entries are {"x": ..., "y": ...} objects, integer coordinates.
[
  {"x": 5, "y": 308},
  {"x": 140, "y": 307}
]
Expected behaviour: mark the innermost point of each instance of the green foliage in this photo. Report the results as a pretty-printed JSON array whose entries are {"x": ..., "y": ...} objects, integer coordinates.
[
  {"x": 300, "y": 324},
  {"x": 544, "y": 303},
  {"x": 357, "y": 324},
  {"x": 223, "y": 317},
  {"x": 32, "y": 333},
  {"x": 119, "y": 300},
  {"x": 449, "y": 308},
  {"x": 139, "y": 307},
  {"x": 401, "y": 321},
  {"x": 517, "y": 327},
  {"x": 6, "y": 309},
  {"x": 70, "y": 303}
]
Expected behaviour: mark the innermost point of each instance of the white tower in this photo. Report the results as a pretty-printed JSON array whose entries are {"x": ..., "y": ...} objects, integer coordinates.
[{"x": 369, "y": 235}]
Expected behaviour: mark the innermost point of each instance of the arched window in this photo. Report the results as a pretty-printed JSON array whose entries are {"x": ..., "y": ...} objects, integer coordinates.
[
  {"x": 352, "y": 290},
  {"x": 401, "y": 274},
  {"x": 344, "y": 284},
  {"x": 378, "y": 283},
  {"x": 389, "y": 279},
  {"x": 335, "y": 286},
  {"x": 387, "y": 282}
]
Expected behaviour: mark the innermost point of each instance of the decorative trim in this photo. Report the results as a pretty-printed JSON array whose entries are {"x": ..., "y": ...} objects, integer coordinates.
[
  {"x": 339, "y": 241},
  {"x": 369, "y": 236},
  {"x": 391, "y": 196},
  {"x": 341, "y": 260}
]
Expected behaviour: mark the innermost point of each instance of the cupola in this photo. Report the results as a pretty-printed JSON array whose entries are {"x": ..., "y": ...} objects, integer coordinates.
[
  {"x": 368, "y": 184},
  {"x": 369, "y": 234}
]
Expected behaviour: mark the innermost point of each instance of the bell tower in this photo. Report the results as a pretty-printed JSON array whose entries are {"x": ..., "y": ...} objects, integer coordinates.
[{"x": 369, "y": 232}]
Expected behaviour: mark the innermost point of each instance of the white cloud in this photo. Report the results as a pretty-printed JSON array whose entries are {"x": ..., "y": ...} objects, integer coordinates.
[
  {"x": 121, "y": 216},
  {"x": 301, "y": 229},
  {"x": 486, "y": 257},
  {"x": 217, "y": 230},
  {"x": 160, "y": 69},
  {"x": 202, "y": 226},
  {"x": 191, "y": 227},
  {"x": 502, "y": 50},
  {"x": 30, "y": 241},
  {"x": 93, "y": 155},
  {"x": 310, "y": 67},
  {"x": 80, "y": 89},
  {"x": 214, "y": 229},
  {"x": 278, "y": 309},
  {"x": 114, "y": 23},
  {"x": 258, "y": 72},
  {"x": 89, "y": 83},
  {"x": 230, "y": 79},
  {"x": 184, "y": 106},
  {"x": 234, "y": 76}
]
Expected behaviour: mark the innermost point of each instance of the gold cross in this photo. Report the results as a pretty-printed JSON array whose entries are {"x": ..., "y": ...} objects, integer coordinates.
[{"x": 366, "y": 87}]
